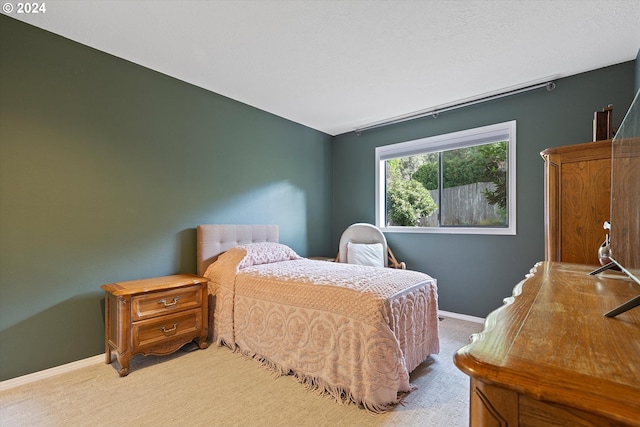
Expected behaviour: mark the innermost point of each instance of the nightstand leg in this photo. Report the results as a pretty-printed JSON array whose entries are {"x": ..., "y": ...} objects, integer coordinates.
[{"x": 124, "y": 364}]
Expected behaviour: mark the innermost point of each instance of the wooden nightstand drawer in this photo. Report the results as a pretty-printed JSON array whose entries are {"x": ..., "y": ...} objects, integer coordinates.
[
  {"x": 169, "y": 329},
  {"x": 160, "y": 303}
]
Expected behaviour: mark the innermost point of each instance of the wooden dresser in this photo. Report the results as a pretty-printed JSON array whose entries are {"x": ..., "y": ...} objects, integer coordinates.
[
  {"x": 577, "y": 200},
  {"x": 154, "y": 316},
  {"x": 548, "y": 356}
]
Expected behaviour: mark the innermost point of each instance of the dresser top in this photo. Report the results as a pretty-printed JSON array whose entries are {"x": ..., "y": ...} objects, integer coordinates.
[
  {"x": 551, "y": 341},
  {"x": 153, "y": 284},
  {"x": 581, "y": 152}
]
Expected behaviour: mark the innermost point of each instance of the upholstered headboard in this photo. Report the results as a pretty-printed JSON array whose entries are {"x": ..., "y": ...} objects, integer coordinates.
[{"x": 214, "y": 239}]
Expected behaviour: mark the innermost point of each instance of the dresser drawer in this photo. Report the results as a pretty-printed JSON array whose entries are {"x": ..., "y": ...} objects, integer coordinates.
[
  {"x": 171, "y": 328},
  {"x": 154, "y": 304}
]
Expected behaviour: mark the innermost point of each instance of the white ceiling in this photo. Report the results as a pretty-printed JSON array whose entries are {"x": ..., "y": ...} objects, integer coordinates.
[{"x": 336, "y": 66}]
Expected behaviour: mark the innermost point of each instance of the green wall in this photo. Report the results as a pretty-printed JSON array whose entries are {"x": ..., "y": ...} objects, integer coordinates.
[
  {"x": 476, "y": 272},
  {"x": 106, "y": 168},
  {"x": 638, "y": 71}
]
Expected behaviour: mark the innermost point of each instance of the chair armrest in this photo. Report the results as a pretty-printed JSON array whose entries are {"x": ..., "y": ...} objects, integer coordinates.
[{"x": 393, "y": 262}]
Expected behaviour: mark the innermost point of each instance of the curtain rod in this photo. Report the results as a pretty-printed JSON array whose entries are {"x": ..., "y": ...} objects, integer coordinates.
[{"x": 549, "y": 85}]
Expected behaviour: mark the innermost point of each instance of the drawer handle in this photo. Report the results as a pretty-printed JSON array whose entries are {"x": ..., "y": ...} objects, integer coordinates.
[
  {"x": 173, "y": 328},
  {"x": 169, "y": 304}
]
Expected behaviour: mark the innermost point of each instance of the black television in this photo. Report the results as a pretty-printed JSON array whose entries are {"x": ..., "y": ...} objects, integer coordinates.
[{"x": 624, "y": 234}]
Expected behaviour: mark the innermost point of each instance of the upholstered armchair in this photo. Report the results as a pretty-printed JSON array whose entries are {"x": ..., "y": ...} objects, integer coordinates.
[{"x": 365, "y": 244}]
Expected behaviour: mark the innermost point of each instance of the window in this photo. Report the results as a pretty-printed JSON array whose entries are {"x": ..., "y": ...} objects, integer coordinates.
[{"x": 461, "y": 182}]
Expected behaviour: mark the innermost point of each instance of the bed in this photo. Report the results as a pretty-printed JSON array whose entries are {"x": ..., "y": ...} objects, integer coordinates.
[{"x": 353, "y": 332}]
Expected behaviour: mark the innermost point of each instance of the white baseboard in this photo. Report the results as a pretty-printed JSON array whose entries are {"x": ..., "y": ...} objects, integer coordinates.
[
  {"x": 461, "y": 316},
  {"x": 51, "y": 372},
  {"x": 57, "y": 370}
]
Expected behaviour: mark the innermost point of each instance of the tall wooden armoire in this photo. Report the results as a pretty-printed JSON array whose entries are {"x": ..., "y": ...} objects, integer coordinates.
[{"x": 577, "y": 200}]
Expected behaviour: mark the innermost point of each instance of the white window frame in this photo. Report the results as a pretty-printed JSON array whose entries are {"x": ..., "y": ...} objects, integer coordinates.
[{"x": 470, "y": 137}]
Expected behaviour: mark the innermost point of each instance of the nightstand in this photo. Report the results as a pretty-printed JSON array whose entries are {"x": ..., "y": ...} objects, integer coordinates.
[{"x": 154, "y": 316}]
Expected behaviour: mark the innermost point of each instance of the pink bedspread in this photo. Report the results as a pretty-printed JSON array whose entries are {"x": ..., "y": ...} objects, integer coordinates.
[{"x": 351, "y": 331}]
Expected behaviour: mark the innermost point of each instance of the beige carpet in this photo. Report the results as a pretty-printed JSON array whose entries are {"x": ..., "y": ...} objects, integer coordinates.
[{"x": 216, "y": 387}]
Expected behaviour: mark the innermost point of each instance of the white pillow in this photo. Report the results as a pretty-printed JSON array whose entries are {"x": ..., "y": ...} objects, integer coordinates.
[{"x": 365, "y": 254}]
